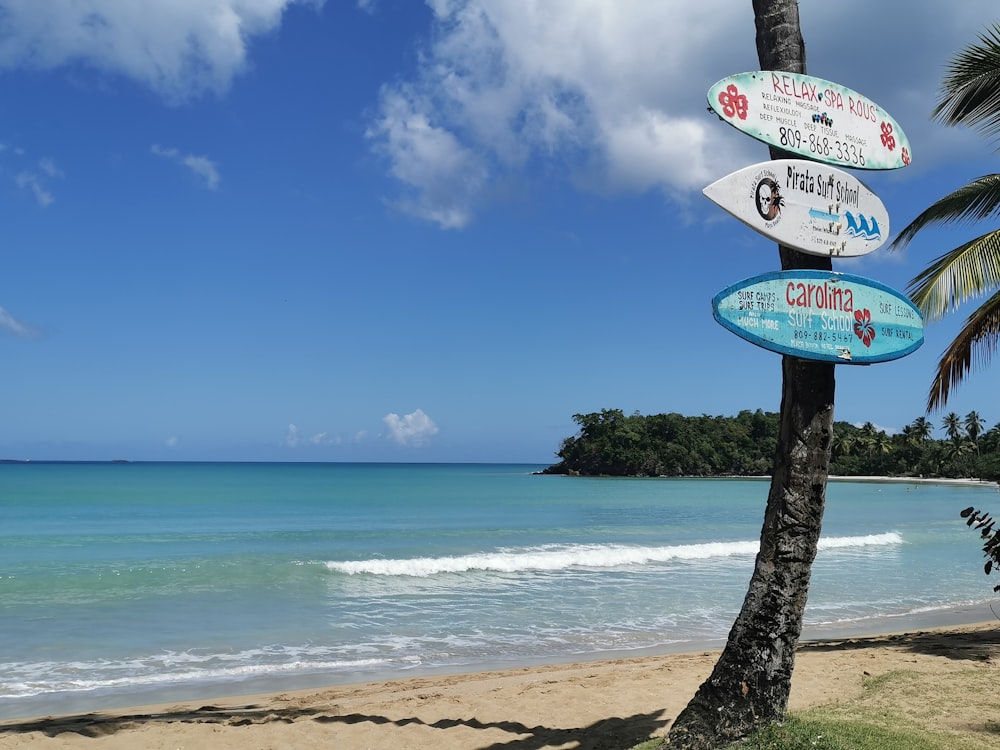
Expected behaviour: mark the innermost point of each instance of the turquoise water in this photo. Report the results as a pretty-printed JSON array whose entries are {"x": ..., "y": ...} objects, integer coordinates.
[{"x": 128, "y": 583}]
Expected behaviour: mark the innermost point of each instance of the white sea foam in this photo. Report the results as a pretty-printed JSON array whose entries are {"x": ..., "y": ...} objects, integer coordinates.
[
  {"x": 871, "y": 540},
  {"x": 28, "y": 680},
  {"x": 563, "y": 557}
]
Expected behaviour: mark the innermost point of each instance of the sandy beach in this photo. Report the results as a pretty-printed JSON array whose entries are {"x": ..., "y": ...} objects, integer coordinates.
[{"x": 606, "y": 704}]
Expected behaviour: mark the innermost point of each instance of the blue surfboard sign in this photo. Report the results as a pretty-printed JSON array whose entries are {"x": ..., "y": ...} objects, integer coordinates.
[{"x": 821, "y": 315}]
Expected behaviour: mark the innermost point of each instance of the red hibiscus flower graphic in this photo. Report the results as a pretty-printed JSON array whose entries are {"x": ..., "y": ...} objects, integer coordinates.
[
  {"x": 906, "y": 156},
  {"x": 734, "y": 104},
  {"x": 888, "y": 139},
  {"x": 863, "y": 327}
]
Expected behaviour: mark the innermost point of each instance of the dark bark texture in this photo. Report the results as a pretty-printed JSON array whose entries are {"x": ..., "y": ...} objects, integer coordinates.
[{"x": 750, "y": 683}]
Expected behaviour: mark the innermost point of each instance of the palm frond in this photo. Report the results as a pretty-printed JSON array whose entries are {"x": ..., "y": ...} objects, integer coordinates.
[
  {"x": 970, "y": 270},
  {"x": 973, "y": 347},
  {"x": 975, "y": 201},
  {"x": 971, "y": 86}
]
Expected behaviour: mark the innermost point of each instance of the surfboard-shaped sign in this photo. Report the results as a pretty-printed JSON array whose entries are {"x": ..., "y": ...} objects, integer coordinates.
[
  {"x": 822, "y": 315},
  {"x": 811, "y": 117},
  {"x": 811, "y": 207}
]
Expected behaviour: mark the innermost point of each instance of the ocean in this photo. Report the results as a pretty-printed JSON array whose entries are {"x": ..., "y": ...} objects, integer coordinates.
[{"x": 130, "y": 583}]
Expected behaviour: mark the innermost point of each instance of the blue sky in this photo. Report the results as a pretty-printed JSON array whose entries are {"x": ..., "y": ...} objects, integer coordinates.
[{"x": 390, "y": 230}]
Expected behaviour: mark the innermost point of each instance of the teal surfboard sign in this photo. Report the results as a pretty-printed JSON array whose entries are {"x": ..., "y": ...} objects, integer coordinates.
[
  {"x": 811, "y": 117},
  {"x": 821, "y": 315}
]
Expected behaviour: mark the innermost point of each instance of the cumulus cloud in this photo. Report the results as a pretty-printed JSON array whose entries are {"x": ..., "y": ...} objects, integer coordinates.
[
  {"x": 611, "y": 95},
  {"x": 294, "y": 440},
  {"x": 178, "y": 48},
  {"x": 414, "y": 429},
  {"x": 203, "y": 167},
  {"x": 430, "y": 159},
  {"x": 599, "y": 89},
  {"x": 12, "y": 325}
]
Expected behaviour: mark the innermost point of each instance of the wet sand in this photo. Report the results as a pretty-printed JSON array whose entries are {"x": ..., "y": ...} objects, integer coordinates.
[{"x": 604, "y": 704}]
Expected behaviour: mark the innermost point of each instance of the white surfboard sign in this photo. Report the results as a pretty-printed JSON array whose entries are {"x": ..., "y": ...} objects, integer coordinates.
[
  {"x": 811, "y": 117},
  {"x": 809, "y": 206}
]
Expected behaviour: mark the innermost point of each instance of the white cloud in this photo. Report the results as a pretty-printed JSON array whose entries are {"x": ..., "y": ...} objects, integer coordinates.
[
  {"x": 429, "y": 158},
  {"x": 612, "y": 95},
  {"x": 601, "y": 90},
  {"x": 10, "y": 324},
  {"x": 294, "y": 440},
  {"x": 31, "y": 181},
  {"x": 171, "y": 442},
  {"x": 178, "y": 48},
  {"x": 49, "y": 167},
  {"x": 35, "y": 181},
  {"x": 878, "y": 428},
  {"x": 206, "y": 169},
  {"x": 412, "y": 429}
]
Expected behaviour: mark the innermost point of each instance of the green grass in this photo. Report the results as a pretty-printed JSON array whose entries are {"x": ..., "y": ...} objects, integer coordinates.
[
  {"x": 807, "y": 732},
  {"x": 797, "y": 733},
  {"x": 898, "y": 710}
]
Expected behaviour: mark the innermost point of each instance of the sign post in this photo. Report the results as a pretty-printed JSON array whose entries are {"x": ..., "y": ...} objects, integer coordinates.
[{"x": 813, "y": 207}]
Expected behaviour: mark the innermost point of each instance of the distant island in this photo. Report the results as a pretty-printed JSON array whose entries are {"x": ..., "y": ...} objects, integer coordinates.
[{"x": 611, "y": 443}]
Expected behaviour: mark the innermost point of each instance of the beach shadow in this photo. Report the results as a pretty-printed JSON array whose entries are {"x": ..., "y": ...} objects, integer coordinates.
[
  {"x": 95, "y": 725},
  {"x": 614, "y": 732},
  {"x": 977, "y": 645}
]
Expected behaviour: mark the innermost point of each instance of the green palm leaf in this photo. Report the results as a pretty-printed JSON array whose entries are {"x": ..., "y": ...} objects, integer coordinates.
[
  {"x": 971, "y": 86},
  {"x": 970, "y": 96},
  {"x": 973, "y": 347},
  {"x": 970, "y": 270},
  {"x": 976, "y": 201}
]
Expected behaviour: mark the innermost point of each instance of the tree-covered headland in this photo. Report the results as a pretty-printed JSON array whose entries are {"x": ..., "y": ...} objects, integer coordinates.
[{"x": 611, "y": 443}]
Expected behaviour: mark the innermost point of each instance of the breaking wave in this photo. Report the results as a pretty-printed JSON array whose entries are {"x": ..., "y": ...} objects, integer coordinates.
[{"x": 562, "y": 557}]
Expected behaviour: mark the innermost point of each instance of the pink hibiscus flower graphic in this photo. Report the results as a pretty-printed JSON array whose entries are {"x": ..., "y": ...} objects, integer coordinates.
[
  {"x": 734, "y": 104},
  {"x": 863, "y": 327},
  {"x": 888, "y": 139}
]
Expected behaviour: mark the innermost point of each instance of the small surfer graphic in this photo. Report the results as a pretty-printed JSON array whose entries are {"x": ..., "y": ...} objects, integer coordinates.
[{"x": 769, "y": 200}]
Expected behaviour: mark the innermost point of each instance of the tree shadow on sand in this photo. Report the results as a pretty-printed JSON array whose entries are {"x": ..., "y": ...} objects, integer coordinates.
[
  {"x": 975, "y": 645},
  {"x": 614, "y": 732}
]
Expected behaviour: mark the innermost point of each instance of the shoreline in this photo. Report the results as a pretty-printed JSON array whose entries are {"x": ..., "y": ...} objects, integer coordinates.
[
  {"x": 87, "y": 703},
  {"x": 865, "y": 479},
  {"x": 874, "y": 479},
  {"x": 966, "y": 482},
  {"x": 587, "y": 704},
  {"x": 980, "y": 610}
]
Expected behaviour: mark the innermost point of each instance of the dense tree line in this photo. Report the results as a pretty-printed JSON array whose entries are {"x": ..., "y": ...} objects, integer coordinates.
[{"x": 611, "y": 443}]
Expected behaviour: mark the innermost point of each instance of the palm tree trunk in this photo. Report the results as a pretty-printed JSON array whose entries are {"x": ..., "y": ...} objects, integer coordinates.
[{"x": 750, "y": 683}]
